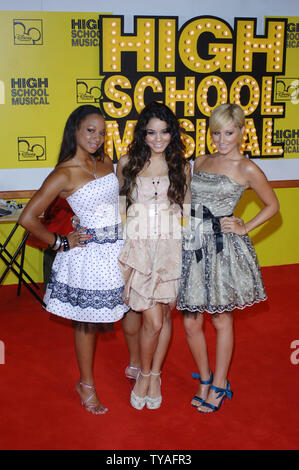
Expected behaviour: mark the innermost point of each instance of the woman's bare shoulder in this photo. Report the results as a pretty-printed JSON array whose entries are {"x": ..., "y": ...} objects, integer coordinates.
[
  {"x": 199, "y": 161},
  {"x": 60, "y": 173},
  {"x": 107, "y": 161},
  {"x": 249, "y": 168}
]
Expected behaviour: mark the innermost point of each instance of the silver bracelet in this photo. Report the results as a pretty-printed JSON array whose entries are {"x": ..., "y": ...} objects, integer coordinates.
[{"x": 57, "y": 243}]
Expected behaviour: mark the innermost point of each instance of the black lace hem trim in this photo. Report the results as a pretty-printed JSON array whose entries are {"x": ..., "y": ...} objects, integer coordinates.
[
  {"x": 84, "y": 298},
  {"x": 214, "y": 309}
]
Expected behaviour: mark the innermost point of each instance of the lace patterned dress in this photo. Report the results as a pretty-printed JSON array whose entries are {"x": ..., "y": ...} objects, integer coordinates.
[
  {"x": 220, "y": 271},
  {"x": 152, "y": 256},
  {"x": 86, "y": 284}
]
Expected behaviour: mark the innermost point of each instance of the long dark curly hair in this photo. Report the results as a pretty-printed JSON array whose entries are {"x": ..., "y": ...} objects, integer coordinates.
[
  {"x": 139, "y": 154},
  {"x": 69, "y": 143}
]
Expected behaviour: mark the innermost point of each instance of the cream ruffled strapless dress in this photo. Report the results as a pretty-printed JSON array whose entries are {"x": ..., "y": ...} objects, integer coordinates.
[{"x": 150, "y": 260}]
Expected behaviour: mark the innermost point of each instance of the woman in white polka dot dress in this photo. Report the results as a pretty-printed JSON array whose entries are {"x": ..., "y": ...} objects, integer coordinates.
[{"x": 86, "y": 284}]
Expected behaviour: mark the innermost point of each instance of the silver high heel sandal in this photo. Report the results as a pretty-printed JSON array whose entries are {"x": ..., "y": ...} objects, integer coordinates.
[
  {"x": 136, "y": 401},
  {"x": 154, "y": 403},
  {"x": 94, "y": 408}
]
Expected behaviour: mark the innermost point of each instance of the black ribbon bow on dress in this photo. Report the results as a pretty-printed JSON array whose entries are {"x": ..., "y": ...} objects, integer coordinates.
[{"x": 216, "y": 225}]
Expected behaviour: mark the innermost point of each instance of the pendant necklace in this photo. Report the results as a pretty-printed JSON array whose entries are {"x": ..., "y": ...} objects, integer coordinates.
[
  {"x": 93, "y": 173},
  {"x": 156, "y": 182}
]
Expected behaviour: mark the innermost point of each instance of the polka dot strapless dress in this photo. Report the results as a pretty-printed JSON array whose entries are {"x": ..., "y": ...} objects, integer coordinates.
[{"x": 86, "y": 284}]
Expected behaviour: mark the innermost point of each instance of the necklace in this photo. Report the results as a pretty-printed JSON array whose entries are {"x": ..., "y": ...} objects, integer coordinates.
[
  {"x": 155, "y": 182},
  {"x": 156, "y": 212},
  {"x": 93, "y": 173}
]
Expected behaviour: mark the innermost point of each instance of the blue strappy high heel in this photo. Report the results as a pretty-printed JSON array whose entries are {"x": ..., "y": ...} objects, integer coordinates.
[
  {"x": 203, "y": 382},
  {"x": 222, "y": 392}
]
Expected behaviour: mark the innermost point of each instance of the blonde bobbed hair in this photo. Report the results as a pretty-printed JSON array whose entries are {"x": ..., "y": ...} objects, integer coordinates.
[{"x": 224, "y": 114}]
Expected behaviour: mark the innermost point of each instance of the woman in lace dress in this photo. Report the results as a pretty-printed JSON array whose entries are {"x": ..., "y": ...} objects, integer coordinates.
[
  {"x": 220, "y": 271},
  {"x": 86, "y": 284},
  {"x": 154, "y": 177}
]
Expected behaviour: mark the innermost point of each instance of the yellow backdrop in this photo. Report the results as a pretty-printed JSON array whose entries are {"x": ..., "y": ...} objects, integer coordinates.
[{"x": 50, "y": 65}]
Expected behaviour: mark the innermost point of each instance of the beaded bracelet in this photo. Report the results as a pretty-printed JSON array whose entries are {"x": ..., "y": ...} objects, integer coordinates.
[{"x": 65, "y": 244}]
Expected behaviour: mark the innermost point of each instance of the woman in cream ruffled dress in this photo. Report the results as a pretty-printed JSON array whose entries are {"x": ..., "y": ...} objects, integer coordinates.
[{"x": 154, "y": 177}]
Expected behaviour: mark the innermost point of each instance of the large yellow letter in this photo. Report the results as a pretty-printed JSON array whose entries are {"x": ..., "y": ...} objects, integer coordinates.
[
  {"x": 222, "y": 52},
  {"x": 272, "y": 45},
  {"x": 114, "y": 43}
]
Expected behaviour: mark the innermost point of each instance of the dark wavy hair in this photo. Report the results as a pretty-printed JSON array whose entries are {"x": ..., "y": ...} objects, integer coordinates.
[
  {"x": 69, "y": 144},
  {"x": 139, "y": 154}
]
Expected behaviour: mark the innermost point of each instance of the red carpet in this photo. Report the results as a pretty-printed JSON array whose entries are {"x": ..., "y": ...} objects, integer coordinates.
[{"x": 40, "y": 409}]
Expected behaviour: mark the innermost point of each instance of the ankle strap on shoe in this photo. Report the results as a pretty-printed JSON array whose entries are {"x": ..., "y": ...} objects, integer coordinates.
[
  {"x": 145, "y": 375},
  {"x": 86, "y": 385},
  {"x": 203, "y": 382},
  {"x": 155, "y": 373}
]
